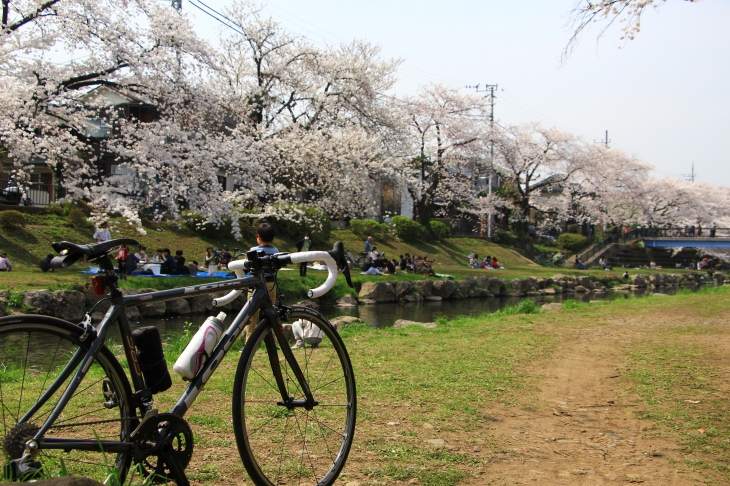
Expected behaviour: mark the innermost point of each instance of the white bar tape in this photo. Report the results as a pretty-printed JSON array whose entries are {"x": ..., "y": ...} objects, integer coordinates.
[{"x": 313, "y": 256}]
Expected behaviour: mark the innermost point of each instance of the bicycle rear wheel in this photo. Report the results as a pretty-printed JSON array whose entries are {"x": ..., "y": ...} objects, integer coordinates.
[
  {"x": 33, "y": 352},
  {"x": 293, "y": 445}
]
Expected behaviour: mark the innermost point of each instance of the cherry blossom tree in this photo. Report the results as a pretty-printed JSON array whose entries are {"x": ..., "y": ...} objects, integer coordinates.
[
  {"x": 444, "y": 150},
  {"x": 142, "y": 50},
  {"x": 626, "y": 12},
  {"x": 321, "y": 113},
  {"x": 538, "y": 164}
]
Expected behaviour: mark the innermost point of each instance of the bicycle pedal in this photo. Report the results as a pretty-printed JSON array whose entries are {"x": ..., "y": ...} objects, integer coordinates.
[{"x": 148, "y": 415}]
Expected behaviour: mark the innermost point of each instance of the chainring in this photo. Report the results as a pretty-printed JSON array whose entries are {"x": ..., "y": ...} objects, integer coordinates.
[{"x": 160, "y": 433}]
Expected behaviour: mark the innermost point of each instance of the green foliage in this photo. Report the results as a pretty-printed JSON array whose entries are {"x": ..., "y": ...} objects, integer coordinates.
[
  {"x": 15, "y": 300},
  {"x": 526, "y": 306},
  {"x": 300, "y": 219},
  {"x": 405, "y": 229},
  {"x": 503, "y": 237},
  {"x": 368, "y": 227},
  {"x": 12, "y": 219},
  {"x": 573, "y": 228},
  {"x": 56, "y": 209},
  {"x": 77, "y": 219},
  {"x": 440, "y": 230},
  {"x": 572, "y": 242}
]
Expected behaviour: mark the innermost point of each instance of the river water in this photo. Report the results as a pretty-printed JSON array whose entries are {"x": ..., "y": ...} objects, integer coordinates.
[{"x": 384, "y": 315}]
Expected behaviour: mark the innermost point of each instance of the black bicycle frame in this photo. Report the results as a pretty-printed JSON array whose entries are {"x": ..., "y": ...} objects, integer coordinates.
[{"x": 259, "y": 299}]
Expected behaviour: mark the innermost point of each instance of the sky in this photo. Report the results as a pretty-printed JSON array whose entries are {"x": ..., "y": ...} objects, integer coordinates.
[{"x": 663, "y": 98}]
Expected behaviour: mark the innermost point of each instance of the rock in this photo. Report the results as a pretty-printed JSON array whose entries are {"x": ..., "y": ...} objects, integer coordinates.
[
  {"x": 347, "y": 300},
  {"x": 495, "y": 286},
  {"x": 579, "y": 289},
  {"x": 549, "y": 291},
  {"x": 200, "y": 304},
  {"x": 480, "y": 292},
  {"x": 177, "y": 307},
  {"x": 515, "y": 289},
  {"x": 402, "y": 289},
  {"x": 338, "y": 322},
  {"x": 401, "y": 323},
  {"x": 153, "y": 309},
  {"x": 425, "y": 286},
  {"x": 463, "y": 289},
  {"x": 310, "y": 304},
  {"x": 436, "y": 442},
  {"x": 444, "y": 288},
  {"x": 414, "y": 297},
  {"x": 4, "y": 297},
  {"x": 64, "y": 304},
  {"x": 433, "y": 298},
  {"x": 71, "y": 305},
  {"x": 551, "y": 306},
  {"x": 382, "y": 291}
]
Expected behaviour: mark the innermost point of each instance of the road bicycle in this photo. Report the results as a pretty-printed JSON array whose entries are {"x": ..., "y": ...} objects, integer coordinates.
[{"x": 68, "y": 404}]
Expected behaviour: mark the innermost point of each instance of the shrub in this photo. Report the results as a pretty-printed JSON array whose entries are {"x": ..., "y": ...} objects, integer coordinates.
[
  {"x": 367, "y": 227},
  {"x": 12, "y": 219},
  {"x": 77, "y": 219},
  {"x": 572, "y": 242},
  {"x": 440, "y": 230},
  {"x": 573, "y": 228},
  {"x": 56, "y": 209},
  {"x": 296, "y": 220},
  {"x": 505, "y": 237},
  {"x": 406, "y": 229}
]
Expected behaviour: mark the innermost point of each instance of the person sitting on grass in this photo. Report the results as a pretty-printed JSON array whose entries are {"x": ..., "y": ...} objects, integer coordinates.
[{"x": 306, "y": 332}]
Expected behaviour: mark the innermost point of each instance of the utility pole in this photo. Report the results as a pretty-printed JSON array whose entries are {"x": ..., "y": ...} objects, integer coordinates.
[
  {"x": 691, "y": 176},
  {"x": 489, "y": 88},
  {"x": 606, "y": 141}
]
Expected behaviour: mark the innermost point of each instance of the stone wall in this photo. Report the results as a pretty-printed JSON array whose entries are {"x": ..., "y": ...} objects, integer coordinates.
[{"x": 71, "y": 304}]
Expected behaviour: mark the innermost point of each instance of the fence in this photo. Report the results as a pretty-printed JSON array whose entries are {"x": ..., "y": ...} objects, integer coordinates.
[{"x": 35, "y": 193}]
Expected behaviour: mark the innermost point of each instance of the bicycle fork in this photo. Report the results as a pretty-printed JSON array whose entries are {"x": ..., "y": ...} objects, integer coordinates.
[{"x": 270, "y": 341}]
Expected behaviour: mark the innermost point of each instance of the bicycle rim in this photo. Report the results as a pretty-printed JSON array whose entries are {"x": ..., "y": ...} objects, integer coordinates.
[
  {"x": 295, "y": 446},
  {"x": 33, "y": 351}
]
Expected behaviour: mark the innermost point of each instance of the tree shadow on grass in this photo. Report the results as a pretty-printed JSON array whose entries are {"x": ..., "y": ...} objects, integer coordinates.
[{"x": 19, "y": 253}]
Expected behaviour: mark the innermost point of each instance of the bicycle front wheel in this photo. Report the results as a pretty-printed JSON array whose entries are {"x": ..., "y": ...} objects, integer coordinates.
[
  {"x": 280, "y": 441},
  {"x": 34, "y": 351}
]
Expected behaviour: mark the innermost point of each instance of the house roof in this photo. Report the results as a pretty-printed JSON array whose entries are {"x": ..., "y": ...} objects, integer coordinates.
[{"x": 111, "y": 96}]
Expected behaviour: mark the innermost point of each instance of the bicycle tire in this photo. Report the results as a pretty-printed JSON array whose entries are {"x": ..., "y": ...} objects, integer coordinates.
[
  {"x": 295, "y": 446},
  {"x": 33, "y": 350}
]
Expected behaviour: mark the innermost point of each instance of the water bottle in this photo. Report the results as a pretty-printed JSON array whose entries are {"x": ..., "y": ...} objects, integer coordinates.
[{"x": 199, "y": 348}]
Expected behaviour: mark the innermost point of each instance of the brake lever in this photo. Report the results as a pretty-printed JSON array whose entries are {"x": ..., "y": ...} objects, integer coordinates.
[{"x": 341, "y": 261}]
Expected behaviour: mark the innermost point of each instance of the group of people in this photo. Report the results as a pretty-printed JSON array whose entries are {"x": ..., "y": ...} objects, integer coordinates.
[
  {"x": 378, "y": 264},
  {"x": 489, "y": 262},
  {"x": 219, "y": 258}
]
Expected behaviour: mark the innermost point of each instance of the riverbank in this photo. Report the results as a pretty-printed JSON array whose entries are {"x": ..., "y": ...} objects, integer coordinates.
[
  {"x": 70, "y": 304},
  {"x": 629, "y": 391}
]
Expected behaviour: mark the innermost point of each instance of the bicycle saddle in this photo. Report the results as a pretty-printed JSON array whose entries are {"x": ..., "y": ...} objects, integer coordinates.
[{"x": 91, "y": 251}]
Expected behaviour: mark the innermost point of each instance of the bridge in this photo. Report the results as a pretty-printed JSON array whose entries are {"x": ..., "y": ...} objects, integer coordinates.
[{"x": 686, "y": 242}]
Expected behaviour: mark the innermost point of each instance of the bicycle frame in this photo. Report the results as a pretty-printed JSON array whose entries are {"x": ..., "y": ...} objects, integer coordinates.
[{"x": 259, "y": 299}]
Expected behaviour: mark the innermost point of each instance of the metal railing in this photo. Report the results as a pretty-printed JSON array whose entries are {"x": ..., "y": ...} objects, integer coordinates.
[{"x": 33, "y": 193}]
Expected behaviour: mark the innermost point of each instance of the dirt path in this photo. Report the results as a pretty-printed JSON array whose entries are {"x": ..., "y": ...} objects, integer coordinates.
[{"x": 583, "y": 428}]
